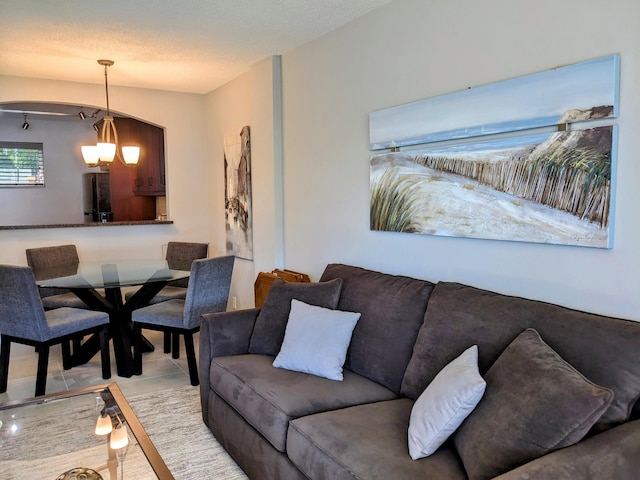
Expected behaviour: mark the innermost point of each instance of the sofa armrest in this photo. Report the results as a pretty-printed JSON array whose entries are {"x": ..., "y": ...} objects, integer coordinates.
[
  {"x": 225, "y": 333},
  {"x": 611, "y": 454}
]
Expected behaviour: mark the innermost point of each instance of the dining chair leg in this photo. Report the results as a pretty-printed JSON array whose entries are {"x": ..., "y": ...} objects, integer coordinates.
[
  {"x": 175, "y": 345},
  {"x": 167, "y": 342},
  {"x": 105, "y": 358},
  {"x": 77, "y": 343},
  {"x": 66, "y": 355},
  {"x": 137, "y": 349},
  {"x": 5, "y": 351},
  {"x": 43, "y": 366},
  {"x": 191, "y": 358}
]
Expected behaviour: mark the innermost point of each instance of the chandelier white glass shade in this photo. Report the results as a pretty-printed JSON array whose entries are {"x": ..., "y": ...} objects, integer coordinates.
[
  {"x": 106, "y": 148},
  {"x": 90, "y": 155},
  {"x": 130, "y": 155},
  {"x": 119, "y": 437},
  {"x": 104, "y": 425}
]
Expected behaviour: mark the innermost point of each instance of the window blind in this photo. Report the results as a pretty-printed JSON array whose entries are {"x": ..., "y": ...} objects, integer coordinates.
[{"x": 21, "y": 164}]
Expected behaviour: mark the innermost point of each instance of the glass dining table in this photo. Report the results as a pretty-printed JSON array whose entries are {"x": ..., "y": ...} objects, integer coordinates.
[{"x": 86, "y": 279}]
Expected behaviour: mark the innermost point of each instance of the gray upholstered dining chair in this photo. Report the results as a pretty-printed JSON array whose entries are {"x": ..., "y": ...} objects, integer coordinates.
[
  {"x": 24, "y": 320},
  {"x": 41, "y": 260},
  {"x": 208, "y": 292},
  {"x": 179, "y": 257}
]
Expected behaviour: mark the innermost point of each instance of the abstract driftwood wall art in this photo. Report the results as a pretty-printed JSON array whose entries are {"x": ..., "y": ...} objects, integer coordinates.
[
  {"x": 237, "y": 193},
  {"x": 528, "y": 159}
]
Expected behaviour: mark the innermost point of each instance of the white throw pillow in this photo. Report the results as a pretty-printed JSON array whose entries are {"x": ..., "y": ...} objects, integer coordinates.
[
  {"x": 445, "y": 403},
  {"x": 316, "y": 340}
]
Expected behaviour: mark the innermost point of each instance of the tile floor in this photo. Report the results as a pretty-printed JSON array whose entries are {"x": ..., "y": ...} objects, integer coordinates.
[{"x": 159, "y": 371}]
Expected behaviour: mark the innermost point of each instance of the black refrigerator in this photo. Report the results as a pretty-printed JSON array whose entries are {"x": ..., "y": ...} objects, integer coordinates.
[{"x": 97, "y": 197}]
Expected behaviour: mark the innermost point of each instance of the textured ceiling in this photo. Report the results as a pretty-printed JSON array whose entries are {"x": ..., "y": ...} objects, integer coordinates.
[{"x": 181, "y": 45}]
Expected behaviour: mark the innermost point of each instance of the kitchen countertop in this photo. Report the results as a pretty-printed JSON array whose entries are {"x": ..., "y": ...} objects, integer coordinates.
[{"x": 91, "y": 224}]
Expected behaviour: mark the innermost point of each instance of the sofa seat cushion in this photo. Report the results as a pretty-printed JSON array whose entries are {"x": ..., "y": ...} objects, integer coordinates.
[
  {"x": 603, "y": 349},
  {"x": 269, "y": 397},
  {"x": 365, "y": 442}
]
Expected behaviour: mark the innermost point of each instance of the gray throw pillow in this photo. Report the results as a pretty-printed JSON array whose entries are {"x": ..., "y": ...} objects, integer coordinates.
[
  {"x": 268, "y": 331},
  {"x": 534, "y": 403}
]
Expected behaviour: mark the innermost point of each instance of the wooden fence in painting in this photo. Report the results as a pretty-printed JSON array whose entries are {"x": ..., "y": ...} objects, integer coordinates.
[{"x": 563, "y": 184}]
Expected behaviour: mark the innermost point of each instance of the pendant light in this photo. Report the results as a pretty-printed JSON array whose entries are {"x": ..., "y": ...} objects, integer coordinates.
[
  {"x": 103, "y": 424},
  {"x": 119, "y": 437},
  {"x": 106, "y": 148}
]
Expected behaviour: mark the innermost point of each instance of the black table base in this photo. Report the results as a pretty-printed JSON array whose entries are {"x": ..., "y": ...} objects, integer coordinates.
[{"x": 120, "y": 326}]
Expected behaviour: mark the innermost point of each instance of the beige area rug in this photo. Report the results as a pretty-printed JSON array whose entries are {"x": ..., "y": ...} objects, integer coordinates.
[{"x": 172, "y": 418}]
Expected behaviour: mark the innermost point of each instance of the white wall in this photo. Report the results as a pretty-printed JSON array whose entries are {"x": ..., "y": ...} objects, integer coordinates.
[
  {"x": 188, "y": 188},
  {"x": 405, "y": 51},
  {"x": 410, "y": 50},
  {"x": 248, "y": 100}
]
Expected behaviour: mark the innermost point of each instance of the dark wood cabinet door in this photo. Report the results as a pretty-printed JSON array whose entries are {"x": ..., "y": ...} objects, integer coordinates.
[
  {"x": 148, "y": 177},
  {"x": 125, "y": 205}
]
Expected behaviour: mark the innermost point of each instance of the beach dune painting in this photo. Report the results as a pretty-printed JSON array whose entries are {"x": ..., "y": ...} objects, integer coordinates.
[{"x": 544, "y": 185}]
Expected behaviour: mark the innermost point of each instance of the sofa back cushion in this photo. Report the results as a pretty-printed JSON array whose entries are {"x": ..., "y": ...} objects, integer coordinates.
[
  {"x": 268, "y": 331},
  {"x": 392, "y": 310},
  {"x": 604, "y": 349}
]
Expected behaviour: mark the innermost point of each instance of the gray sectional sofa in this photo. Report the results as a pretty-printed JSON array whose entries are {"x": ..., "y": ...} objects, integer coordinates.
[{"x": 571, "y": 414}]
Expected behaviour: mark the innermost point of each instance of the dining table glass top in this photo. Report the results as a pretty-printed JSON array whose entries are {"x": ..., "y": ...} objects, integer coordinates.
[{"x": 106, "y": 274}]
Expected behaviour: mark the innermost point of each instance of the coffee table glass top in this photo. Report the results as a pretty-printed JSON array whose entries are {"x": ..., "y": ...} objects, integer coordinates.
[
  {"x": 47, "y": 436},
  {"x": 118, "y": 273}
]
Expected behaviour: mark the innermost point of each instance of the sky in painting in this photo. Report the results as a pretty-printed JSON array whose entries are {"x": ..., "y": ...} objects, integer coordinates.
[{"x": 544, "y": 95}]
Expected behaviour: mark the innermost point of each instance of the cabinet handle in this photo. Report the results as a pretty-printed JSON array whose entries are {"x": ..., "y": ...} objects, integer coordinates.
[
  {"x": 150, "y": 181},
  {"x": 138, "y": 182}
]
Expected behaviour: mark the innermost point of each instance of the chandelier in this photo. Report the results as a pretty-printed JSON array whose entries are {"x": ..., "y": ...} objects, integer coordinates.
[{"x": 106, "y": 149}]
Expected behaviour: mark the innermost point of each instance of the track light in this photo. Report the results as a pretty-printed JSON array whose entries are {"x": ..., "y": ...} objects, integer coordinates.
[
  {"x": 81, "y": 114},
  {"x": 25, "y": 125},
  {"x": 96, "y": 127}
]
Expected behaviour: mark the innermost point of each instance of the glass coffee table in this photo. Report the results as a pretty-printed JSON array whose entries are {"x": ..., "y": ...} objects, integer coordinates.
[{"x": 85, "y": 434}]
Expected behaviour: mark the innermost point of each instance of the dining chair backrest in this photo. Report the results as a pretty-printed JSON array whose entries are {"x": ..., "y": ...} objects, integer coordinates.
[
  {"x": 46, "y": 257},
  {"x": 21, "y": 311},
  {"x": 208, "y": 290},
  {"x": 43, "y": 259},
  {"x": 181, "y": 254}
]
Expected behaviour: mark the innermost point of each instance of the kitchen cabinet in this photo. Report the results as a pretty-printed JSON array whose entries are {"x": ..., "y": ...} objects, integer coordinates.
[
  {"x": 148, "y": 176},
  {"x": 125, "y": 205},
  {"x": 133, "y": 199}
]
